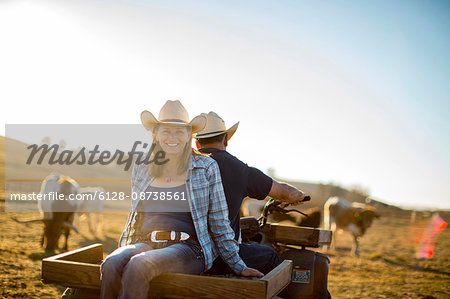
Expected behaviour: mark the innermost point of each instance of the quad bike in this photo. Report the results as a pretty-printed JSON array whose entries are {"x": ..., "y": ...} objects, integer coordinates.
[
  {"x": 302, "y": 274},
  {"x": 310, "y": 268}
]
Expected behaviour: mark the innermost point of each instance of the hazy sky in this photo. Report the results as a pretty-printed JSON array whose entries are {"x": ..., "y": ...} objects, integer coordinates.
[{"x": 350, "y": 92}]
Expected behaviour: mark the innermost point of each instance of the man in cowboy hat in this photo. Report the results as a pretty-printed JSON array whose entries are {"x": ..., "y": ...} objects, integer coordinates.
[{"x": 239, "y": 181}]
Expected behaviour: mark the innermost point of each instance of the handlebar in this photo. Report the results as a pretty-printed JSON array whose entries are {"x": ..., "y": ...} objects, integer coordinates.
[{"x": 273, "y": 205}]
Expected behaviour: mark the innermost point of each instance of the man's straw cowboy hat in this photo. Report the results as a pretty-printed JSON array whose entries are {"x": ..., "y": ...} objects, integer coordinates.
[
  {"x": 215, "y": 126},
  {"x": 174, "y": 113}
]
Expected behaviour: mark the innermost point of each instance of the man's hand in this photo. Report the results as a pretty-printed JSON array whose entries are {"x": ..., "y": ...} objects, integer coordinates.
[
  {"x": 250, "y": 272},
  {"x": 286, "y": 193},
  {"x": 295, "y": 198}
]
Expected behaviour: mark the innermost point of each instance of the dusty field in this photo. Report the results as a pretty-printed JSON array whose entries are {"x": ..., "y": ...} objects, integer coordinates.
[
  {"x": 20, "y": 253},
  {"x": 386, "y": 268}
]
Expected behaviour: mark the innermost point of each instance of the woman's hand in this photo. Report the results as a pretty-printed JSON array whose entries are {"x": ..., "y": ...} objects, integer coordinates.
[{"x": 250, "y": 272}]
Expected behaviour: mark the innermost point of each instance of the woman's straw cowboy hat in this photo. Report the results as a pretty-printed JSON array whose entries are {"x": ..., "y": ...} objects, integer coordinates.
[
  {"x": 215, "y": 126},
  {"x": 173, "y": 112}
]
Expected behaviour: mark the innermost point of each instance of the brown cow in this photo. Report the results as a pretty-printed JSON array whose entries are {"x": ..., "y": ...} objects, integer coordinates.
[
  {"x": 58, "y": 215},
  {"x": 356, "y": 218}
]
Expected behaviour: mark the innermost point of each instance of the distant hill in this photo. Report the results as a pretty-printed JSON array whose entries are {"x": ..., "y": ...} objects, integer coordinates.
[
  {"x": 2, "y": 167},
  {"x": 321, "y": 192},
  {"x": 19, "y": 176}
]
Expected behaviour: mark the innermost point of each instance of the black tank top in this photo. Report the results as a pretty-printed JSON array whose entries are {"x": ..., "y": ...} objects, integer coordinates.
[{"x": 166, "y": 209}]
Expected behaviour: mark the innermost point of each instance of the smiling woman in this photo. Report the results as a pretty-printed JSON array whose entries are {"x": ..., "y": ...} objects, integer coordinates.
[
  {"x": 181, "y": 236},
  {"x": 174, "y": 141},
  {"x": 172, "y": 134}
]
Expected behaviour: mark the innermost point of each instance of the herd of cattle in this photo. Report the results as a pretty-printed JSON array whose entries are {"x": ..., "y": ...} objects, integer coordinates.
[{"x": 58, "y": 216}]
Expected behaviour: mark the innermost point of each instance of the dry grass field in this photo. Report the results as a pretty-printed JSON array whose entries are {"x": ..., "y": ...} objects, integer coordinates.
[
  {"x": 20, "y": 253},
  {"x": 385, "y": 269}
]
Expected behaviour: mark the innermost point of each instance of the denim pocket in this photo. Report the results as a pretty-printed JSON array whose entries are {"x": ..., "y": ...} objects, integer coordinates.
[{"x": 196, "y": 249}]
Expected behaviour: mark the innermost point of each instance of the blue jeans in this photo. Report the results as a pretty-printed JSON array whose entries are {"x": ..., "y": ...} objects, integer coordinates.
[
  {"x": 127, "y": 271},
  {"x": 260, "y": 257}
]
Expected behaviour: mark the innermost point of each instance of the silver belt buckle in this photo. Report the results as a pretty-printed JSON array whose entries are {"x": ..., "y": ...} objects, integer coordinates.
[
  {"x": 153, "y": 237},
  {"x": 184, "y": 236}
]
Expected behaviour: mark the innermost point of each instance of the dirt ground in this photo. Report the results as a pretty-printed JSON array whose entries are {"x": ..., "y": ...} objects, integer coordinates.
[{"x": 386, "y": 267}]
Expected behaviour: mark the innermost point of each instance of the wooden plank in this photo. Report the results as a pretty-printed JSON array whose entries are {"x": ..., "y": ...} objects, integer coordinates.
[
  {"x": 71, "y": 274},
  {"x": 325, "y": 237},
  {"x": 174, "y": 285},
  {"x": 92, "y": 254},
  {"x": 278, "y": 278},
  {"x": 167, "y": 285},
  {"x": 297, "y": 235}
]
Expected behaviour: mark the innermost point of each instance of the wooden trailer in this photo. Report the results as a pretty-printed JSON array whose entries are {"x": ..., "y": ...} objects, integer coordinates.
[{"x": 80, "y": 269}]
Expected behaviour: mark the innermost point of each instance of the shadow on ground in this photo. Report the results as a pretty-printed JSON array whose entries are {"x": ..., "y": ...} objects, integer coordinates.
[{"x": 415, "y": 267}]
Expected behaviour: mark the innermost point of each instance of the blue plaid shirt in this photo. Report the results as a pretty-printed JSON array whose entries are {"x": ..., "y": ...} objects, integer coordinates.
[{"x": 208, "y": 207}]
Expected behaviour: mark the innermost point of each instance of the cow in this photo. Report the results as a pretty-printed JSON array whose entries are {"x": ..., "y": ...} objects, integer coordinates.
[
  {"x": 254, "y": 208},
  {"x": 56, "y": 215},
  {"x": 312, "y": 220},
  {"x": 356, "y": 218},
  {"x": 92, "y": 207}
]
